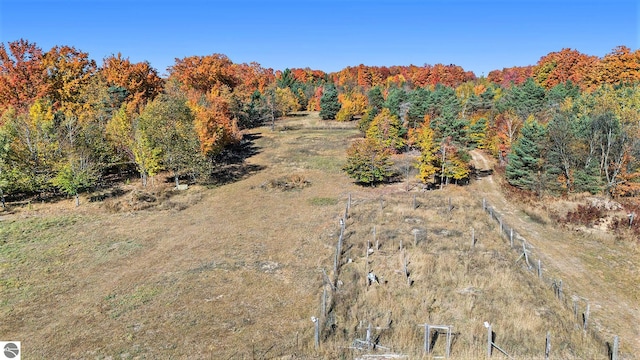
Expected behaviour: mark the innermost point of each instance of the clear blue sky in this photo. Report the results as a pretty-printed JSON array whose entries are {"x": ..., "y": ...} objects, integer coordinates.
[{"x": 327, "y": 35}]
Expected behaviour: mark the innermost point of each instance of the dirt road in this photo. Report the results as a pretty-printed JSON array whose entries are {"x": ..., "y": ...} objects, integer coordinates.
[{"x": 594, "y": 268}]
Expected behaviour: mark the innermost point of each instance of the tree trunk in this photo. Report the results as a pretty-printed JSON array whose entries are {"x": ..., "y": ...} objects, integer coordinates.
[
  {"x": 143, "y": 175},
  {"x": 176, "y": 178},
  {"x": 77, "y": 199},
  {"x": 2, "y": 199}
]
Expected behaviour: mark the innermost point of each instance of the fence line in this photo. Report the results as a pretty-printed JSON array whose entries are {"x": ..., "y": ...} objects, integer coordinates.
[
  {"x": 516, "y": 242},
  {"x": 555, "y": 284}
]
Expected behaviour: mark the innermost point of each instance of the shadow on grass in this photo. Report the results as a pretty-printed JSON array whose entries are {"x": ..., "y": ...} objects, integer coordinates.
[{"x": 230, "y": 164}]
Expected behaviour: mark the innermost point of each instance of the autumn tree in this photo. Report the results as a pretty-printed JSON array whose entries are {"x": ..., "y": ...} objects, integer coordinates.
[
  {"x": 352, "y": 104},
  {"x": 368, "y": 163},
  {"x": 620, "y": 66},
  {"x": 169, "y": 125},
  {"x": 428, "y": 162},
  {"x": 285, "y": 101},
  {"x": 565, "y": 65},
  {"x": 387, "y": 131},
  {"x": 33, "y": 149},
  {"x": 68, "y": 71},
  {"x": 23, "y": 75},
  {"x": 140, "y": 80}
]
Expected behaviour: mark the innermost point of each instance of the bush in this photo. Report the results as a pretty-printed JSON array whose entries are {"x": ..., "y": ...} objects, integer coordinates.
[{"x": 587, "y": 215}]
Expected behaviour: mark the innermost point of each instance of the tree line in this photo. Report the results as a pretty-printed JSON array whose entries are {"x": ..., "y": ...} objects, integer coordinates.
[
  {"x": 66, "y": 123},
  {"x": 568, "y": 124}
]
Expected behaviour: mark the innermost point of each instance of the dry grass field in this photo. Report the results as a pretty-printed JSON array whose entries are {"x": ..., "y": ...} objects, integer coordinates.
[{"x": 235, "y": 270}]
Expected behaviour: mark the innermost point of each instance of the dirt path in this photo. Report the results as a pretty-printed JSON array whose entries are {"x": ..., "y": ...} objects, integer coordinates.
[{"x": 602, "y": 272}]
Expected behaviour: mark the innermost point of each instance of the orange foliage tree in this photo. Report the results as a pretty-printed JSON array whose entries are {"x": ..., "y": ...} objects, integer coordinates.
[
  {"x": 621, "y": 65},
  {"x": 68, "y": 71},
  {"x": 23, "y": 75},
  {"x": 140, "y": 80},
  {"x": 514, "y": 75},
  {"x": 559, "y": 67}
]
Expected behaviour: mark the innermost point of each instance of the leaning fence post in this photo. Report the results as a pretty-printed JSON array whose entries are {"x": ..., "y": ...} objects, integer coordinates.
[{"x": 324, "y": 301}]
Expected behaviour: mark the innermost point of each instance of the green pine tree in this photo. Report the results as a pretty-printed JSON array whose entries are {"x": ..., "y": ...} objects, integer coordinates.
[
  {"x": 525, "y": 168},
  {"x": 329, "y": 104}
]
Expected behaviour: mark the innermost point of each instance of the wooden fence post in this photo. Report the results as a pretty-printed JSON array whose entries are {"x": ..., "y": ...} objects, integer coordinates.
[
  {"x": 511, "y": 237},
  {"x": 547, "y": 347},
  {"x": 405, "y": 267},
  {"x": 324, "y": 301},
  {"x": 316, "y": 336},
  {"x": 585, "y": 318},
  {"x": 473, "y": 238},
  {"x": 539, "y": 269},
  {"x": 489, "y": 339},
  {"x": 427, "y": 335},
  {"x": 484, "y": 204},
  {"x": 614, "y": 351}
]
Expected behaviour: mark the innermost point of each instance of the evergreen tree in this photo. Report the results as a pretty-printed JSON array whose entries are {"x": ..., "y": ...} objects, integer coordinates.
[
  {"x": 525, "y": 168},
  {"x": 420, "y": 102},
  {"x": 376, "y": 100},
  {"x": 478, "y": 133},
  {"x": 376, "y": 103},
  {"x": 395, "y": 100},
  {"x": 329, "y": 104}
]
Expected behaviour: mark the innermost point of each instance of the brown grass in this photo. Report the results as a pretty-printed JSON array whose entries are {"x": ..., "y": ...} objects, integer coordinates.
[{"x": 235, "y": 272}]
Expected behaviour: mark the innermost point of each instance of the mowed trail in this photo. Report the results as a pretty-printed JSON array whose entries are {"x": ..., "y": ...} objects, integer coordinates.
[{"x": 603, "y": 273}]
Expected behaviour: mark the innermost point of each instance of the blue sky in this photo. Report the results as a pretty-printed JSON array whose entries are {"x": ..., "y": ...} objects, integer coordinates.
[{"x": 327, "y": 35}]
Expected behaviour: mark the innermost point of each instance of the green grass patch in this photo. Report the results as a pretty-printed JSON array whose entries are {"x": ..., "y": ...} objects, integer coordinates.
[
  {"x": 323, "y": 201},
  {"x": 120, "y": 304}
]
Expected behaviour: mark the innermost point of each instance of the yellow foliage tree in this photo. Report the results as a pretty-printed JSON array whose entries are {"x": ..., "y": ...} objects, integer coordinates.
[
  {"x": 428, "y": 160},
  {"x": 353, "y": 104}
]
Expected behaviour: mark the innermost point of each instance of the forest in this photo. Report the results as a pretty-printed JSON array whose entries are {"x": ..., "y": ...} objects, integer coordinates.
[{"x": 568, "y": 124}]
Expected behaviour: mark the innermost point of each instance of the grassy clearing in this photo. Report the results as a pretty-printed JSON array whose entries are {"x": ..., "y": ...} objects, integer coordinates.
[
  {"x": 234, "y": 271},
  {"x": 451, "y": 283}
]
